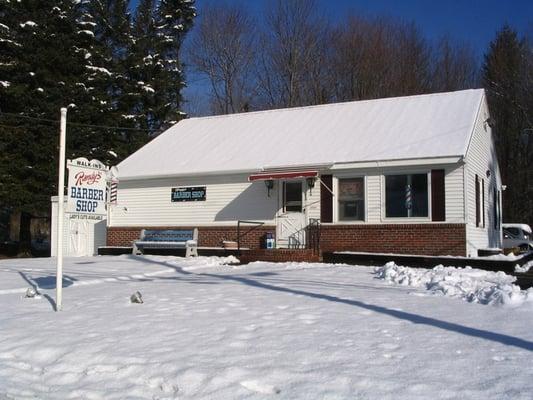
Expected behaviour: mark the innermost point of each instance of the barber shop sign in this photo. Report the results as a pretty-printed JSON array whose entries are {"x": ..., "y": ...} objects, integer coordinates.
[{"x": 86, "y": 187}]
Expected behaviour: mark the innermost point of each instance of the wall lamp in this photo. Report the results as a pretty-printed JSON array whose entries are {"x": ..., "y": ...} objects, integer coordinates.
[
  {"x": 491, "y": 122},
  {"x": 269, "y": 183},
  {"x": 310, "y": 182}
]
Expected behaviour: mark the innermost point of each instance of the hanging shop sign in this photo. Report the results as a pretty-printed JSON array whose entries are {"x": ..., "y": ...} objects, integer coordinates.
[
  {"x": 87, "y": 188},
  {"x": 197, "y": 193}
]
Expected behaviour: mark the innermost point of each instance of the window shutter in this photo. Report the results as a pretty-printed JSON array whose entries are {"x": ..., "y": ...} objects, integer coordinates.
[
  {"x": 495, "y": 208},
  {"x": 438, "y": 196},
  {"x": 483, "y": 202},
  {"x": 326, "y": 199},
  {"x": 477, "y": 202}
]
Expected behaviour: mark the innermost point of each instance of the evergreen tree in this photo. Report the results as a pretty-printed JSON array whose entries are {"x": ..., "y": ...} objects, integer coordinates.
[
  {"x": 41, "y": 60},
  {"x": 173, "y": 19},
  {"x": 504, "y": 73},
  {"x": 109, "y": 84}
]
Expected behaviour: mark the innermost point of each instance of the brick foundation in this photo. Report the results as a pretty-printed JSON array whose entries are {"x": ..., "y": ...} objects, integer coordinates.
[
  {"x": 423, "y": 239},
  {"x": 208, "y": 236},
  {"x": 279, "y": 255}
]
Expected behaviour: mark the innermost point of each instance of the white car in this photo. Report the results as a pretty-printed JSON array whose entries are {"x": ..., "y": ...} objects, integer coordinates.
[{"x": 517, "y": 235}]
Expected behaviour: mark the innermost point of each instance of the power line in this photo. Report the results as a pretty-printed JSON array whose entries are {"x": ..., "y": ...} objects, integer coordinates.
[{"x": 76, "y": 123}]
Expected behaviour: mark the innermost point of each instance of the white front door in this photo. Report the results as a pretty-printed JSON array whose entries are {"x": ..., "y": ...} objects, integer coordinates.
[{"x": 291, "y": 221}]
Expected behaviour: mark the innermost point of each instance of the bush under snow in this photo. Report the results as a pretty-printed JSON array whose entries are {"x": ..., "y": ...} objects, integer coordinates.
[{"x": 472, "y": 285}]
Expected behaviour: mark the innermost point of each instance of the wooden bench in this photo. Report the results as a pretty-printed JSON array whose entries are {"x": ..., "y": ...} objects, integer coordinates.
[{"x": 168, "y": 239}]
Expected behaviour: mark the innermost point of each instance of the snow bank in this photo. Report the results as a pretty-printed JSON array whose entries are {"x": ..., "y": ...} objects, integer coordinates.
[
  {"x": 524, "y": 268},
  {"x": 472, "y": 285},
  {"x": 193, "y": 263}
]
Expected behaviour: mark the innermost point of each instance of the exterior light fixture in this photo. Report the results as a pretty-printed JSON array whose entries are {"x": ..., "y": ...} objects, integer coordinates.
[
  {"x": 310, "y": 182},
  {"x": 269, "y": 183}
]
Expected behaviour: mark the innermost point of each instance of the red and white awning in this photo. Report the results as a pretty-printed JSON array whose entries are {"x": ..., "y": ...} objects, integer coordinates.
[{"x": 282, "y": 175}]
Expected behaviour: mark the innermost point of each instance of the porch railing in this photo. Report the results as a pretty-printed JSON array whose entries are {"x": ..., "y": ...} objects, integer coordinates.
[
  {"x": 313, "y": 235},
  {"x": 241, "y": 234}
]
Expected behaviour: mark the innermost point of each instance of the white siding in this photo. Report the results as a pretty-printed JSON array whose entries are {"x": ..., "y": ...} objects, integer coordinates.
[
  {"x": 228, "y": 199},
  {"x": 312, "y": 201},
  {"x": 373, "y": 197},
  {"x": 231, "y": 198},
  {"x": 453, "y": 186},
  {"x": 480, "y": 158}
]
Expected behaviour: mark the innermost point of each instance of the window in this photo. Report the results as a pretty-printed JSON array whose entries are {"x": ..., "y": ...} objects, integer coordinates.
[
  {"x": 293, "y": 196},
  {"x": 406, "y": 196},
  {"x": 352, "y": 199}
]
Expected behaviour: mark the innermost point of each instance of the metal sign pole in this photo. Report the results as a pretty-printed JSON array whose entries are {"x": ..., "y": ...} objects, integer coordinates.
[{"x": 61, "y": 211}]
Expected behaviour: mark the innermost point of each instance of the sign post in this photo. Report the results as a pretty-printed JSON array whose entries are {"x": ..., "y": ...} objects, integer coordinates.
[{"x": 61, "y": 211}]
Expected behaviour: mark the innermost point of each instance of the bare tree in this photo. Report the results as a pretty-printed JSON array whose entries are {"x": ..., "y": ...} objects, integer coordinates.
[
  {"x": 294, "y": 55},
  {"x": 380, "y": 57},
  {"x": 223, "y": 49},
  {"x": 454, "y": 66},
  {"x": 411, "y": 73}
]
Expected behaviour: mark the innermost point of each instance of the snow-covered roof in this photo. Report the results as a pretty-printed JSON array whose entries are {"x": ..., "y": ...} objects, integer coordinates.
[{"x": 424, "y": 126}]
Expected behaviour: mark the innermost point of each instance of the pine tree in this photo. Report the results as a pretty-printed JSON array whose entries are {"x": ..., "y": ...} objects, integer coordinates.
[
  {"x": 109, "y": 83},
  {"x": 504, "y": 74},
  {"x": 41, "y": 57},
  {"x": 174, "y": 18}
]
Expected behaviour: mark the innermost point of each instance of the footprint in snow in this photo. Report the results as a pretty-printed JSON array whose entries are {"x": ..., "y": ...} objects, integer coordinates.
[{"x": 260, "y": 387}]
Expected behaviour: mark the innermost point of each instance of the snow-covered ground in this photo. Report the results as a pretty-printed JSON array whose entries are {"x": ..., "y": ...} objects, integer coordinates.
[{"x": 288, "y": 331}]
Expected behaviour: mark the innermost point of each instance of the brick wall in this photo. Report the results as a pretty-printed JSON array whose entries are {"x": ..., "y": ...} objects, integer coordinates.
[
  {"x": 211, "y": 236},
  {"x": 424, "y": 239},
  {"x": 279, "y": 255}
]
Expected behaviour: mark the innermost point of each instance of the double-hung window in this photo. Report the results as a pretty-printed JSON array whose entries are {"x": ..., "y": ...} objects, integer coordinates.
[
  {"x": 351, "y": 203},
  {"x": 406, "y": 196}
]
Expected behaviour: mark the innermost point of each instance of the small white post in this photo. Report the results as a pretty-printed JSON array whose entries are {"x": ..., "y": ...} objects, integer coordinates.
[{"x": 61, "y": 211}]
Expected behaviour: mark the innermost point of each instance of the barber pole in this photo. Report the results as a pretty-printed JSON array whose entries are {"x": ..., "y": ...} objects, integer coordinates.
[
  {"x": 113, "y": 190},
  {"x": 408, "y": 198}
]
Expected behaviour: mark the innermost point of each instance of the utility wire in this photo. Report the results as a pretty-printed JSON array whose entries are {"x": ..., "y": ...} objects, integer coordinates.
[{"x": 75, "y": 123}]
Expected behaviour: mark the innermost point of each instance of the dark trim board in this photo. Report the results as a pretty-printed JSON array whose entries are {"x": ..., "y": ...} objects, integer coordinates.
[
  {"x": 352, "y": 258},
  {"x": 205, "y": 251}
]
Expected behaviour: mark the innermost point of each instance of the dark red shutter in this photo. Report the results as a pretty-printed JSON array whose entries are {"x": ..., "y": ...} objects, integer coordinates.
[
  {"x": 477, "y": 201},
  {"x": 495, "y": 208},
  {"x": 326, "y": 199},
  {"x": 483, "y": 201},
  {"x": 438, "y": 195}
]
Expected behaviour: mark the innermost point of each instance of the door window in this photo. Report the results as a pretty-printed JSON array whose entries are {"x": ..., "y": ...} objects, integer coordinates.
[{"x": 293, "y": 196}]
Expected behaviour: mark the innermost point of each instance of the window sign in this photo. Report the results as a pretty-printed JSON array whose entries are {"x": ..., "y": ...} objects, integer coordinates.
[
  {"x": 406, "y": 196},
  {"x": 197, "y": 193},
  {"x": 352, "y": 199}
]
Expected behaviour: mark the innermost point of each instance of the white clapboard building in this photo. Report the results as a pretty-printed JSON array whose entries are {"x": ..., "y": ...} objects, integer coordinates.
[{"x": 415, "y": 175}]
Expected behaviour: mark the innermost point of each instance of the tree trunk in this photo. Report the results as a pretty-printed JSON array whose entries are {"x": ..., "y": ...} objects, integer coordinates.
[{"x": 25, "y": 235}]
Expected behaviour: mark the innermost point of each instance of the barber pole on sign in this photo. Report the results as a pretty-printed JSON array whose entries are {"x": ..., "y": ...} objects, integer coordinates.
[{"x": 113, "y": 190}]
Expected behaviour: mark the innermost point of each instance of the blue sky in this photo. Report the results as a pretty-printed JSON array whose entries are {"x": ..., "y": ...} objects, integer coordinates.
[
  {"x": 471, "y": 21},
  {"x": 474, "y": 21}
]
